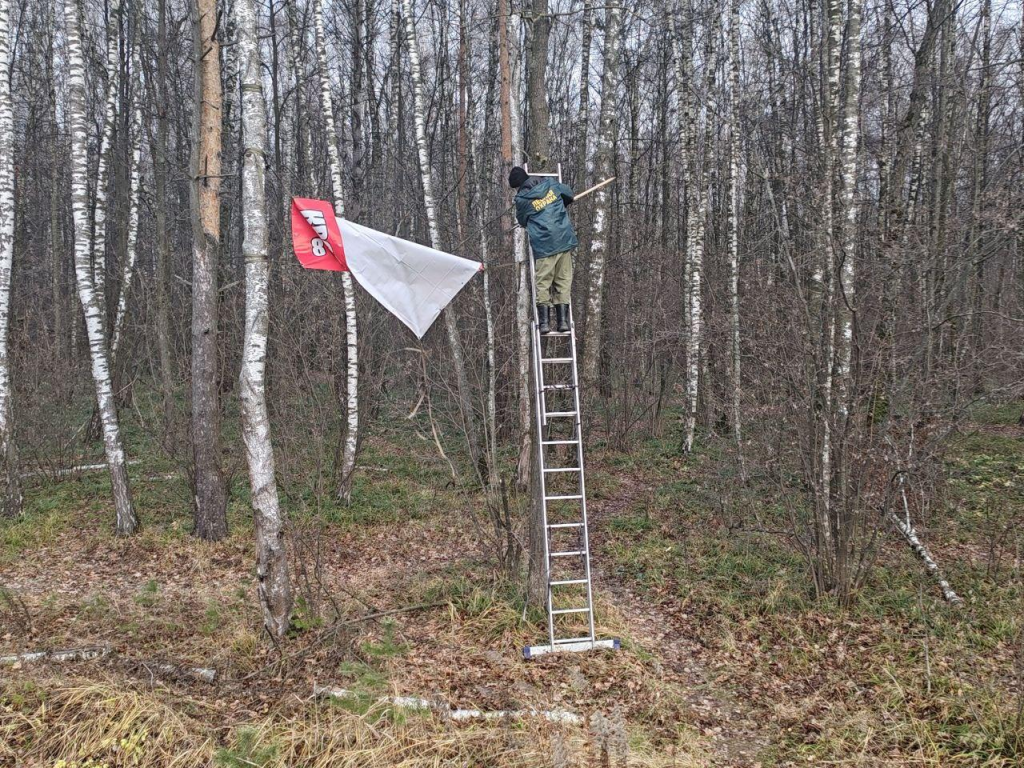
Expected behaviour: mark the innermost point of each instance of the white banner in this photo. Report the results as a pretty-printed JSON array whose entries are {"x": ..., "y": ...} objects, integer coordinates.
[{"x": 414, "y": 282}]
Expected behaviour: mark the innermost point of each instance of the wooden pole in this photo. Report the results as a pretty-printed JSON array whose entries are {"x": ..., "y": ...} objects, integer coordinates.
[{"x": 594, "y": 188}]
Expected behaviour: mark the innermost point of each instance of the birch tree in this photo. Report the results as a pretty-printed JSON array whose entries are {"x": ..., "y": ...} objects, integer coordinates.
[
  {"x": 426, "y": 179},
  {"x": 161, "y": 173},
  {"x": 734, "y": 213},
  {"x": 11, "y": 501},
  {"x": 92, "y": 306},
  {"x": 696, "y": 215},
  {"x": 602, "y": 200},
  {"x": 134, "y": 175},
  {"x": 351, "y": 440},
  {"x": 511, "y": 102},
  {"x": 583, "y": 113},
  {"x": 210, "y": 500},
  {"x": 271, "y": 563},
  {"x": 99, "y": 206}
]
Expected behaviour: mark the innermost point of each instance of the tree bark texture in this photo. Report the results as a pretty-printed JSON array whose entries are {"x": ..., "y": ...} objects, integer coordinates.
[{"x": 210, "y": 500}]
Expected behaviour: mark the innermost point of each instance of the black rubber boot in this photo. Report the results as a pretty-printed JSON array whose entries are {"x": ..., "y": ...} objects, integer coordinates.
[
  {"x": 542, "y": 319},
  {"x": 562, "y": 311}
]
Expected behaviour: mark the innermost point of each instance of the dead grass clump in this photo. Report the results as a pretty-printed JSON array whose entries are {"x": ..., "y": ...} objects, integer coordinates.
[
  {"x": 98, "y": 724},
  {"x": 46, "y": 722}
]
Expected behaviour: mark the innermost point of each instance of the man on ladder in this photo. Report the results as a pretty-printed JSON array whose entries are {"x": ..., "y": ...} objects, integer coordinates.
[{"x": 541, "y": 203}]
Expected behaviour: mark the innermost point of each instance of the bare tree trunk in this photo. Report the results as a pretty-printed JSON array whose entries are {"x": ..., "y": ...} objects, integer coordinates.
[
  {"x": 539, "y": 152},
  {"x": 127, "y": 522},
  {"x": 696, "y": 214},
  {"x": 540, "y": 116},
  {"x": 57, "y": 253},
  {"x": 99, "y": 223},
  {"x": 301, "y": 170},
  {"x": 426, "y": 177},
  {"x": 358, "y": 109},
  {"x": 583, "y": 114},
  {"x": 161, "y": 171},
  {"x": 351, "y": 440},
  {"x": 979, "y": 182},
  {"x": 211, "y": 522},
  {"x": 602, "y": 210},
  {"x": 512, "y": 138},
  {"x": 271, "y": 563},
  {"x": 505, "y": 90},
  {"x": 10, "y": 503},
  {"x": 734, "y": 213},
  {"x": 491, "y": 415},
  {"x": 134, "y": 174},
  {"x": 463, "y": 128}
]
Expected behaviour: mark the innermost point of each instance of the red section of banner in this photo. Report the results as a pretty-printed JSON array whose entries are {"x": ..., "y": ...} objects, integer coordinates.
[{"x": 315, "y": 235}]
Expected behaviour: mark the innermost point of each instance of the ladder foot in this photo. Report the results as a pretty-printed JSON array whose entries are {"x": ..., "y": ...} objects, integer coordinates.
[{"x": 533, "y": 651}]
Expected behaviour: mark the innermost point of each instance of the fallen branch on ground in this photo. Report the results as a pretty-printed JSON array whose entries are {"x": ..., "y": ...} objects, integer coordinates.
[
  {"x": 69, "y": 654},
  {"x": 332, "y": 630},
  {"x": 64, "y": 472},
  {"x": 166, "y": 669},
  {"x": 446, "y": 711},
  {"x": 906, "y": 528}
]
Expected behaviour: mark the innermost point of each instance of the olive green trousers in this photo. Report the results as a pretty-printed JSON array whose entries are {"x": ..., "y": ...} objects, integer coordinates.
[{"x": 554, "y": 279}]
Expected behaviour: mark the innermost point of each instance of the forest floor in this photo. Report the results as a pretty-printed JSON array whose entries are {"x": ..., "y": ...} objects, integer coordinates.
[{"x": 727, "y": 658}]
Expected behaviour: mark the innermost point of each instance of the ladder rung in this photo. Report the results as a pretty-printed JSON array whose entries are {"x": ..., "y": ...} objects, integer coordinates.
[
  {"x": 570, "y": 610},
  {"x": 559, "y": 387},
  {"x": 564, "y": 498},
  {"x": 556, "y": 359},
  {"x": 574, "y": 640},
  {"x": 563, "y": 469},
  {"x": 567, "y": 581},
  {"x": 559, "y": 442},
  {"x": 570, "y": 553},
  {"x": 564, "y": 525},
  {"x": 559, "y": 414},
  {"x": 557, "y": 333}
]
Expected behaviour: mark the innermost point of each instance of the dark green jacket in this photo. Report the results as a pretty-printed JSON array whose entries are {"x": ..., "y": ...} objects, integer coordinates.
[{"x": 540, "y": 208}]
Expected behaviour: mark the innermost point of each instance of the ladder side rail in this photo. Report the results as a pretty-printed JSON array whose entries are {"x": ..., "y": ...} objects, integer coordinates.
[
  {"x": 540, "y": 421},
  {"x": 582, "y": 475},
  {"x": 542, "y": 485}
]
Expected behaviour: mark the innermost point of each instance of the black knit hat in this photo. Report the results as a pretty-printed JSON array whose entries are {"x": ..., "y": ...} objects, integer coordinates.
[{"x": 516, "y": 177}]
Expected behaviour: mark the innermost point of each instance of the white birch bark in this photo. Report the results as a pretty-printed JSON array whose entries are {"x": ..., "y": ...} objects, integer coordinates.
[
  {"x": 824, "y": 286},
  {"x": 12, "y": 499},
  {"x": 348, "y": 457},
  {"x": 99, "y": 228},
  {"x": 681, "y": 43},
  {"x": 127, "y": 522},
  {"x": 426, "y": 179},
  {"x": 271, "y": 563},
  {"x": 734, "y": 213},
  {"x": 602, "y": 212},
  {"x": 300, "y": 133},
  {"x": 907, "y": 530},
  {"x": 524, "y": 310},
  {"x": 491, "y": 429},
  {"x": 135, "y": 172},
  {"x": 697, "y": 200},
  {"x": 849, "y": 209}
]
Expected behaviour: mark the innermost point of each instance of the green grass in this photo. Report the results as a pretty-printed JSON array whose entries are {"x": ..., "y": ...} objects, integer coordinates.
[
  {"x": 248, "y": 750},
  {"x": 1009, "y": 412},
  {"x": 897, "y": 672}
]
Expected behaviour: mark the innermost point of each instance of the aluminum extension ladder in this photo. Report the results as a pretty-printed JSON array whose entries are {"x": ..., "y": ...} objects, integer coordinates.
[{"x": 566, "y": 538}]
